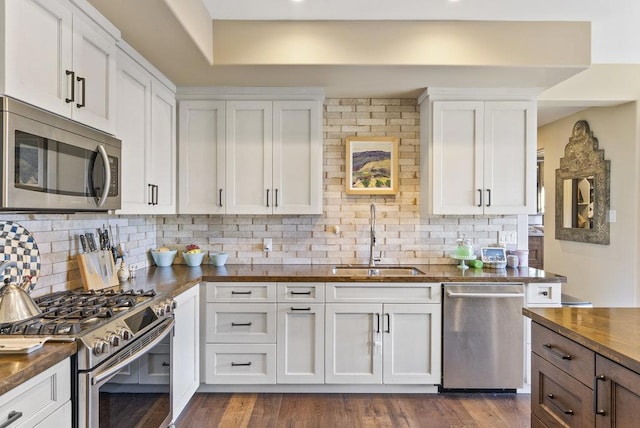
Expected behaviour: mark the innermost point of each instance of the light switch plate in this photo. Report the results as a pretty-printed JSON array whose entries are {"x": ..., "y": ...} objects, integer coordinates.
[
  {"x": 267, "y": 244},
  {"x": 508, "y": 237}
]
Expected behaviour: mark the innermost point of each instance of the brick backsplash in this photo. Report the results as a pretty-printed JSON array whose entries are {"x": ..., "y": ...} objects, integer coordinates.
[{"x": 403, "y": 235}]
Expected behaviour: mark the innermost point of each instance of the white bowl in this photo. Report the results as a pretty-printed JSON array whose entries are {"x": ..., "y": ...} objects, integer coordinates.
[
  {"x": 218, "y": 259},
  {"x": 164, "y": 258},
  {"x": 193, "y": 259}
]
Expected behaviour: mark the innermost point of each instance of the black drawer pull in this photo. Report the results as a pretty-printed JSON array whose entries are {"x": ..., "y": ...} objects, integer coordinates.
[
  {"x": 240, "y": 292},
  {"x": 566, "y": 412},
  {"x": 240, "y": 364},
  {"x": 240, "y": 324},
  {"x": 300, "y": 309},
  {"x": 13, "y": 416},
  {"x": 597, "y": 411},
  {"x": 165, "y": 364},
  {"x": 301, "y": 293},
  {"x": 557, "y": 353}
]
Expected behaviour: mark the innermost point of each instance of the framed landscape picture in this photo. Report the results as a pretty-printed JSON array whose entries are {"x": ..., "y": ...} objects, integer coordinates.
[{"x": 372, "y": 165}]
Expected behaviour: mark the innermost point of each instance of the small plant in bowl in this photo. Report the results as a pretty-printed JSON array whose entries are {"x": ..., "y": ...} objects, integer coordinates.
[{"x": 193, "y": 255}]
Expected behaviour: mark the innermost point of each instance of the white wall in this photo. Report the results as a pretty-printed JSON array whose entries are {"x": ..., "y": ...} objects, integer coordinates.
[{"x": 607, "y": 275}]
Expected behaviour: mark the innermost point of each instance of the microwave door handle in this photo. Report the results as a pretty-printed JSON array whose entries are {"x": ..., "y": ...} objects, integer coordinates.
[{"x": 107, "y": 175}]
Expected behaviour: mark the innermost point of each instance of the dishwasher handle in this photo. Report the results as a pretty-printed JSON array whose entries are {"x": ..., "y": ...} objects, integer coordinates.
[{"x": 485, "y": 295}]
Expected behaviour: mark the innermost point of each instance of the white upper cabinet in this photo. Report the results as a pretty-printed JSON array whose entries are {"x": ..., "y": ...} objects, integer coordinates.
[
  {"x": 202, "y": 159},
  {"x": 250, "y": 156},
  {"x": 60, "y": 59},
  {"x": 146, "y": 124},
  {"x": 478, "y": 157}
]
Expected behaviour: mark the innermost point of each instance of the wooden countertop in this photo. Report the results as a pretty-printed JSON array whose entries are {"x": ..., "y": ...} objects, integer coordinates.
[
  {"x": 17, "y": 368},
  {"x": 611, "y": 332}
]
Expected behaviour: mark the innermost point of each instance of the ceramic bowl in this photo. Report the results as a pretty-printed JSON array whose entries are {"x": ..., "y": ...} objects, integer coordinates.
[
  {"x": 218, "y": 259},
  {"x": 163, "y": 258},
  {"x": 193, "y": 259}
]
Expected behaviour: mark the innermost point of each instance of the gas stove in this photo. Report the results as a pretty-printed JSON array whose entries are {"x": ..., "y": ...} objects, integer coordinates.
[{"x": 103, "y": 322}]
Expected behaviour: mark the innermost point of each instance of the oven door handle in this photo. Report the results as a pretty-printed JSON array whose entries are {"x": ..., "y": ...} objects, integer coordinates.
[
  {"x": 115, "y": 369},
  {"x": 107, "y": 175},
  {"x": 485, "y": 295}
]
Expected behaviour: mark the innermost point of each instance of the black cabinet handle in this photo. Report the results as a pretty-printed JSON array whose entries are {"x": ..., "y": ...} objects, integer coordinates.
[
  {"x": 11, "y": 418},
  {"x": 240, "y": 364},
  {"x": 388, "y": 330},
  {"x": 300, "y": 309},
  {"x": 557, "y": 353},
  {"x": 597, "y": 411},
  {"x": 73, "y": 87},
  {"x": 155, "y": 202},
  {"x": 555, "y": 403},
  {"x": 480, "y": 192},
  {"x": 241, "y": 324},
  {"x": 220, "y": 197},
  {"x": 240, "y": 292},
  {"x": 165, "y": 364},
  {"x": 83, "y": 82},
  {"x": 150, "y": 187},
  {"x": 267, "y": 198},
  {"x": 275, "y": 202},
  {"x": 302, "y": 293},
  {"x": 489, "y": 197},
  {"x": 378, "y": 322}
]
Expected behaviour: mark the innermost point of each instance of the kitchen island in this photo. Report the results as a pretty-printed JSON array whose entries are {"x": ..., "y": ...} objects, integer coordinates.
[{"x": 585, "y": 366}]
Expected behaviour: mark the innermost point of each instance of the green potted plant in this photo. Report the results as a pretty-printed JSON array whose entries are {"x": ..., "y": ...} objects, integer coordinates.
[{"x": 193, "y": 255}]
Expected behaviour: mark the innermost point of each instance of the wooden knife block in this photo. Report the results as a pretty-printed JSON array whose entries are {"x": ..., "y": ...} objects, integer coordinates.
[{"x": 92, "y": 265}]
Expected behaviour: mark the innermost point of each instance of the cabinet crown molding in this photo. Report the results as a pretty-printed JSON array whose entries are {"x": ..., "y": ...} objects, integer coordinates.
[
  {"x": 249, "y": 93},
  {"x": 483, "y": 94}
]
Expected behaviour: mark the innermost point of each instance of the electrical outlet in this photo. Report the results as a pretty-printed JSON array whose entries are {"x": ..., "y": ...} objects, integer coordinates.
[
  {"x": 267, "y": 245},
  {"x": 508, "y": 237}
]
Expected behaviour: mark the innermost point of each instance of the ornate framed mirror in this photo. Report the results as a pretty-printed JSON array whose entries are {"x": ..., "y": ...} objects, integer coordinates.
[{"x": 582, "y": 189}]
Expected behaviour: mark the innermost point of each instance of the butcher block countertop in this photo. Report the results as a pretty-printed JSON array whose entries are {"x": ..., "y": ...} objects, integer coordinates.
[
  {"x": 17, "y": 368},
  {"x": 611, "y": 332}
]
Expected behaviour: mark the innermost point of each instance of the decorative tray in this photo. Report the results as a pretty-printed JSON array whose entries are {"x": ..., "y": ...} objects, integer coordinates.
[{"x": 21, "y": 345}]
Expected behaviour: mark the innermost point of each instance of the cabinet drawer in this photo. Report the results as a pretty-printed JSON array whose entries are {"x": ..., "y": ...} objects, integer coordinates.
[
  {"x": 363, "y": 292},
  {"x": 312, "y": 292},
  {"x": 558, "y": 399},
  {"x": 39, "y": 396},
  {"x": 241, "y": 292},
  {"x": 564, "y": 353},
  {"x": 240, "y": 364},
  {"x": 547, "y": 294},
  {"x": 241, "y": 323}
]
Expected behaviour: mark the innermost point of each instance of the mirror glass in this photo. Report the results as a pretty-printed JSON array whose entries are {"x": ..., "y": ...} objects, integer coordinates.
[{"x": 582, "y": 190}]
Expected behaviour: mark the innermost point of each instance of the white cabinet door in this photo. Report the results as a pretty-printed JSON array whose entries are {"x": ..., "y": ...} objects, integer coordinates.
[
  {"x": 201, "y": 144},
  {"x": 133, "y": 127},
  {"x": 411, "y": 343},
  {"x": 297, "y": 157},
  {"x": 458, "y": 139},
  {"x": 300, "y": 343},
  {"x": 186, "y": 349},
  {"x": 163, "y": 148},
  {"x": 353, "y": 351},
  {"x": 94, "y": 64},
  {"x": 38, "y": 53},
  {"x": 509, "y": 157},
  {"x": 249, "y": 152}
]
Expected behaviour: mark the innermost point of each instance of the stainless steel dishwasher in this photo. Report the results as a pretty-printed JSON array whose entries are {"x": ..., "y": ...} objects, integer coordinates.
[{"x": 483, "y": 336}]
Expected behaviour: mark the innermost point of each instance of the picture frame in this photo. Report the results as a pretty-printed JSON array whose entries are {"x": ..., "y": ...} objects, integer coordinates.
[{"x": 372, "y": 165}]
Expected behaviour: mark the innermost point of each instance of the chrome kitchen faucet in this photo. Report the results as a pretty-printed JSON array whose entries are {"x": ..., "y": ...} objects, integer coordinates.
[{"x": 372, "y": 236}]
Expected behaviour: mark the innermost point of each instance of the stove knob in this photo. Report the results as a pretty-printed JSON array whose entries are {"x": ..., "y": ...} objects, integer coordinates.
[
  {"x": 168, "y": 306},
  {"x": 159, "y": 310},
  {"x": 114, "y": 340},
  {"x": 124, "y": 333},
  {"x": 100, "y": 347}
]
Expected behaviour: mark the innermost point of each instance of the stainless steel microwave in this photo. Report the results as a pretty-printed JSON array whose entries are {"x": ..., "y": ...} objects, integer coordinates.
[{"x": 52, "y": 164}]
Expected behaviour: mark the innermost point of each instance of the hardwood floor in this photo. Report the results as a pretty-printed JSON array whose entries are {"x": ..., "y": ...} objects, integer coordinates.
[{"x": 357, "y": 410}]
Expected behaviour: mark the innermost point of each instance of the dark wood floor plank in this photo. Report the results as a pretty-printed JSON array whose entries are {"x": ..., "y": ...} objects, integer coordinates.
[{"x": 357, "y": 411}]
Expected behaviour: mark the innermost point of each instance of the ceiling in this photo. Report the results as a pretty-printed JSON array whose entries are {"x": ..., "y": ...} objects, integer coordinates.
[{"x": 247, "y": 53}]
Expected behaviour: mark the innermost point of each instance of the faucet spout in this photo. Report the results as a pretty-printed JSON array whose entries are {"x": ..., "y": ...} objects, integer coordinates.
[{"x": 372, "y": 235}]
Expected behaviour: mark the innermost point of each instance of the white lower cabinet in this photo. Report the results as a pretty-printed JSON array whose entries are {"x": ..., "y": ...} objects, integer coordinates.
[
  {"x": 42, "y": 401},
  {"x": 383, "y": 343},
  {"x": 300, "y": 343}
]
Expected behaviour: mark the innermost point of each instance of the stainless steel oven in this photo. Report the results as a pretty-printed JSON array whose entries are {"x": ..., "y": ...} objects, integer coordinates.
[
  {"x": 104, "y": 403},
  {"x": 50, "y": 163}
]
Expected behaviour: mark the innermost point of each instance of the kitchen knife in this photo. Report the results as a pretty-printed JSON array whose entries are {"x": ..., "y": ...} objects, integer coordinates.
[
  {"x": 91, "y": 242},
  {"x": 83, "y": 243}
]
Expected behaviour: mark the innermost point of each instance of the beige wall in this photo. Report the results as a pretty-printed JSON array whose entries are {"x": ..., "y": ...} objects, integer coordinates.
[{"x": 605, "y": 274}]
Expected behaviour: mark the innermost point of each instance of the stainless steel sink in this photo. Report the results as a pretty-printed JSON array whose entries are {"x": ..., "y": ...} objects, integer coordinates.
[{"x": 351, "y": 270}]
